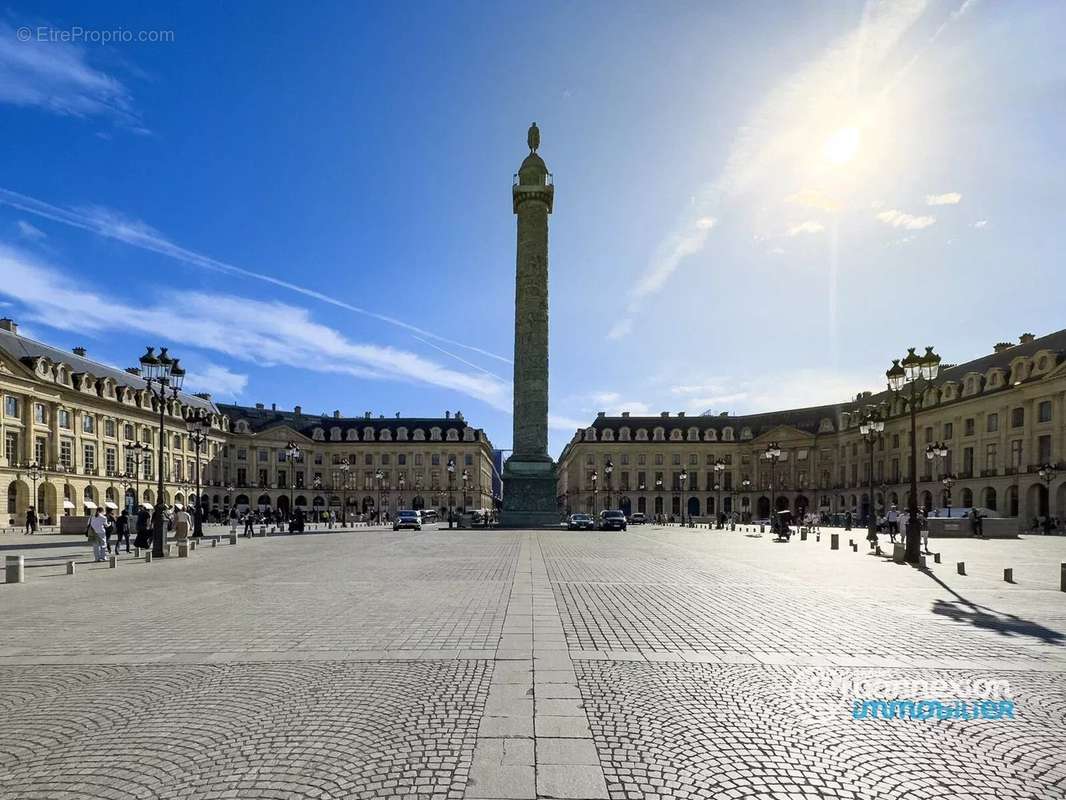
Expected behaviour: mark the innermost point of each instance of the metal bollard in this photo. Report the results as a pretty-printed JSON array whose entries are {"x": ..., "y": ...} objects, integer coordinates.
[
  {"x": 262, "y": 530},
  {"x": 233, "y": 538},
  {"x": 15, "y": 571},
  {"x": 817, "y": 537},
  {"x": 214, "y": 541},
  {"x": 183, "y": 550},
  {"x": 112, "y": 562},
  {"x": 71, "y": 566},
  {"x": 1062, "y": 577},
  {"x": 961, "y": 567},
  {"x": 1008, "y": 575},
  {"x": 834, "y": 541},
  {"x": 803, "y": 536},
  {"x": 170, "y": 550},
  {"x": 147, "y": 556},
  {"x": 136, "y": 552}
]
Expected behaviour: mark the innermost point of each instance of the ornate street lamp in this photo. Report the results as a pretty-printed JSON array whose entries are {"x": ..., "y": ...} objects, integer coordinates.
[
  {"x": 933, "y": 452},
  {"x": 345, "y": 470},
  {"x": 595, "y": 489},
  {"x": 292, "y": 455},
  {"x": 1047, "y": 475},
  {"x": 872, "y": 428},
  {"x": 161, "y": 373},
  {"x": 745, "y": 486},
  {"x": 451, "y": 489},
  {"x": 35, "y": 472},
  {"x": 910, "y": 370},
  {"x": 772, "y": 453},
  {"x": 138, "y": 449},
  {"x": 402, "y": 482},
  {"x": 681, "y": 480},
  {"x": 379, "y": 476},
  {"x": 719, "y": 468},
  {"x": 466, "y": 478},
  {"x": 198, "y": 426},
  {"x": 608, "y": 468}
]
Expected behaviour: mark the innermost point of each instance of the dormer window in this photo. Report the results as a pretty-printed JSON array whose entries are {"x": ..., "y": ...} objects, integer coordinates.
[
  {"x": 318, "y": 435},
  {"x": 608, "y": 435},
  {"x": 420, "y": 435},
  {"x": 401, "y": 434},
  {"x": 453, "y": 435},
  {"x": 675, "y": 435},
  {"x": 658, "y": 434},
  {"x": 642, "y": 435},
  {"x": 623, "y": 434},
  {"x": 590, "y": 434},
  {"x": 334, "y": 434},
  {"x": 710, "y": 435},
  {"x": 368, "y": 433},
  {"x": 434, "y": 434},
  {"x": 727, "y": 434},
  {"x": 693, "y": 434},
  {"x": 352, "y": 435}
]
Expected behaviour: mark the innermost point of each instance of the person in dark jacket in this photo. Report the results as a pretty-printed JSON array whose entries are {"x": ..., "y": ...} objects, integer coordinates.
[
  {"x": 31, "y": 520},
  {"x": 144, "y": 524},
  {"x": 122, "y": 531}
]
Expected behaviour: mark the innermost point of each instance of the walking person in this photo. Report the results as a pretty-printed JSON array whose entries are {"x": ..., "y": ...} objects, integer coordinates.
[
  {"x": 109, "y": 517},
  {"x": 144, "y": 520},
  {"x": 31, "y": 521},
  {"x": 249, "y": 523},
  {"x": 893, "y": 523},
  {"x": 122, "y": 531},
  {"x": 98, "y": 529}
]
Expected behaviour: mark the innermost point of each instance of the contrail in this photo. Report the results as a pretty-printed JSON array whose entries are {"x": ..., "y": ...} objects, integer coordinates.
[{"x": 146, "y": 238}]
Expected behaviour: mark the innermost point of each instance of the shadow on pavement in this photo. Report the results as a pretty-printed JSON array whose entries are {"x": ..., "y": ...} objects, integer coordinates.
[{"x": 963, "y": 610}]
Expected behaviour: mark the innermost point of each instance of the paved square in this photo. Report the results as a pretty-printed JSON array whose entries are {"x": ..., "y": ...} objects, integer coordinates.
[{"x": 658, "y": 663}]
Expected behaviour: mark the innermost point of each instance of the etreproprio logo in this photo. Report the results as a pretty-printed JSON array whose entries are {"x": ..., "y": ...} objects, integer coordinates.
[{"x": 825, "y": 694}]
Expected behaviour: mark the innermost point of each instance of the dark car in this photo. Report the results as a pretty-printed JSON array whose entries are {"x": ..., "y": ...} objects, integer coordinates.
[
  {"x": 637, "y": 519},
  {"x": 578, "y": 522},
  {"x": 612, "y": 521},
  {"x": 407, "y": 519}
]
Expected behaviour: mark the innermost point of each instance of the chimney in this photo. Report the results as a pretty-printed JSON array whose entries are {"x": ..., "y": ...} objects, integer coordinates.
[
  {"x": 9, "y": 325},
  {"x": 447, "y": 414},
  {"x": 258, "y": 406},
  {"x": 1025, "y": 338},
  {"x": 601, "y": 413},
  {"x": 134, "y": 371},
  {"x": 681, "y": 413},
  {"x": 336, "y": 414},
  {"x": 297, "y": 410},
  {"x": 664, "y": 414},
  {"x": 625, "y": 413},
  {"x": 366, "y": 415},
  {"x": 397, "y": 415},
  {"x": 78, "y": 351},
  {"x": 273, "y": 406},
  {"x": 203, "y": 396}
]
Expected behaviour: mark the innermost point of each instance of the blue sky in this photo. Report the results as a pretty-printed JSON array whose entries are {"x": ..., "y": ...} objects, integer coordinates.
[{"x": 758, "y": 204}]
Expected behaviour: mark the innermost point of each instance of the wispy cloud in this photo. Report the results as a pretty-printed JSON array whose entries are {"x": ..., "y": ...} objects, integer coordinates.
[
  {"x": 111, "y": 224},
  {"x": 898, "y": 219},
  {"x": 980, "y": 223},
  {"x": 622, "y": 327},
  {"x": 265, "y": 333},
  {"x": 31, "y": 232},
  {"x": 810, "y": 226},
  {"x": 214, "y": 378},
  {"x": 948, "y": 199},
  {"x": 685, "y": 242},
  {"x": 57, "y": 77}
]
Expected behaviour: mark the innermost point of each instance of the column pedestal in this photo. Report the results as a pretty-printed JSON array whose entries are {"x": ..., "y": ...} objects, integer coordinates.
[{"x": 529, "y": 499}]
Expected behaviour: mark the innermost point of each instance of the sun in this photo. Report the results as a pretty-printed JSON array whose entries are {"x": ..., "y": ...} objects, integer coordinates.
[{"x": 841, "y": 147}]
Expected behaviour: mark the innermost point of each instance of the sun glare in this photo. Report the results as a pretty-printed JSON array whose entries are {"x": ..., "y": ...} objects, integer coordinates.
[{"x": 842, "y": 146}]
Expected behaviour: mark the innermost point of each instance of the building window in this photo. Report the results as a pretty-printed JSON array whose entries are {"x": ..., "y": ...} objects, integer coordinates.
[
  {"x": 368, "y": 459},
  {"x": 1043, "y": 411},
  {"x": 242, "y": 454},
  {"x": 992, "y": 423},
  {"x": 66, "y": 453},
  {"x": 990, "y": 456},
  {"x": 1016, "y": 453},
  {"x": 968, "y": 427},
  {"x": 110, "y": 460},
  {"x": 39, "y": 413},
  {"x": 658, "y": 459},
  {"x": 127, "y": 432},
  {"x": 967, "y": 461},
  {"x": 418, "y": 459},
  {"x": 88, "y": 458},
  {"x": 1043, "y": 447},
  {"x": 262, "y": 456},
  {"x": 1017, "y": 417},
  {"x": 895, "y": 441},
  {"x": 949, "y": 430},
  {"x": 11, "y": 406},
  {"x": 109, "y": 428},
  {"x": 401, "y": 459},
  {"x": 468, "y": 460},
  {"x": 642, "y": 459},
  {"x": 40, "y": 447},
  {"x": 693, "y": 459},
  {"x": 88, "y": 423},
  {"x": 384, "y": 459},
  {"x": 11, "y": 447}
]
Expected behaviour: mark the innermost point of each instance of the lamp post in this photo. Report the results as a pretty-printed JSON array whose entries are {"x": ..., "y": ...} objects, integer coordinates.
[
  {"x": 466, "y": 479},
  {"x": 719, "y": 468},
  {"x": 35, "y": 472},
  {"x": 138, "y": 448},
  {"x": 659, "y": 489},
  {"x": 198, "y": 426},
  {"x": 1047, "y": 475},
  {"x": 403, "y": 482},
  {"x": 595, "y": 489},
  {"x": 451, "y": 489},
  {"x": 292, "y": 455},
  {"x": 682, "y": 479},
  {"x": 379, "y": 476},
  {"x": 745, "y": 487},
  {"x": 933, "y": 452},
  {"x": 902, "y": 372},
  {"x": 345, "y": 470},
  {"x": 871, "y": 427},
  {"x": 161, "y": 373},
  {"x": 772, "y": 453},
  {"x": 608, "y": 468}
]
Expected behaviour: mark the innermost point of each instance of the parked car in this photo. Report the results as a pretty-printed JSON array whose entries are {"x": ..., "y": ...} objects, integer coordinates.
[
  {"x": 407, "y": 519},
  {"x": 637, "y": 519},
  {"x": 428, "y": 515},
  {"x": 578, "y": 522},
  {"x": 611, "y": 520}
]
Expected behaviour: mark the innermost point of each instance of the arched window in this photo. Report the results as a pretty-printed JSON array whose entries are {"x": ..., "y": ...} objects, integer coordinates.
[{"x": 623, "y": 434}]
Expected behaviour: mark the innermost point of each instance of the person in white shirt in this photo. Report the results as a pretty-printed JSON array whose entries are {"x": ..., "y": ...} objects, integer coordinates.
[
  {"x": 893, "y": 524},
  {"x": 98, "y": 524}
]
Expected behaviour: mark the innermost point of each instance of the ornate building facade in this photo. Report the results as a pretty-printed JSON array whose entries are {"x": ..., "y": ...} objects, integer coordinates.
[
  {"x": 1000, "y": 419},
  {"x": 78, "y": 434}
]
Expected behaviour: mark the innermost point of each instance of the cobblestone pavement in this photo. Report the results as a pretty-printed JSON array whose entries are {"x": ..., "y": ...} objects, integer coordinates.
[{"x": 659, "y": 663}]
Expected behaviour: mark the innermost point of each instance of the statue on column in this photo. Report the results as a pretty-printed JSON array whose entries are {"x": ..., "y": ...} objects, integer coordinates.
[{"x": 533, "y": 138}]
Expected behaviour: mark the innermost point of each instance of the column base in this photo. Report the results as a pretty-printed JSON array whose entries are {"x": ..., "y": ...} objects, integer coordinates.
[{"x": 529, "y": 495}]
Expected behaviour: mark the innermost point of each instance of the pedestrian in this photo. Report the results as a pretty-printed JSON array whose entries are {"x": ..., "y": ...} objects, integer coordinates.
[
  {"x": 122, "y": 531},
  {"x": 98, "y": 532},
  {"x": 143, "y": 523},
  {"x": 249, "y": 523},
  {"x": 182, "y": 523},
  {"x": 109, "y": 516},
  {"x": 975, "y": 523},
  {"x": 923, "y": 526},
  {"x": 31, "y": 521},
  {"x": 893, "y": 523}
]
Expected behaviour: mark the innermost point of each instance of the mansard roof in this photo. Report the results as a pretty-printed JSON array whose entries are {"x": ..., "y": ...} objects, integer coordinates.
[
  {"x": 261, "y": 419},
  {"x": 29, "y": 351}
]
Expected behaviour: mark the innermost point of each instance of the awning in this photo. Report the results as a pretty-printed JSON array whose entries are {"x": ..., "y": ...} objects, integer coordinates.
[
  {"x": 89, "y": 504},
  {"x": 177, "y": 506},
  {"x": 67, "y": 504},
  {"x": 109, "y": 504}
]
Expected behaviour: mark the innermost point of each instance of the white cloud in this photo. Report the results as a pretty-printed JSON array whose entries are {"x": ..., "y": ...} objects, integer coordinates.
[
  {"x": 810, "y": 226},
  {"x": 622, "y": 327},
  {"x": 949, "y": 199},
  {"x": 898, "y": 219},
  {"x": 685, "y": 242},
  {"x": 216, "y": 379},
  {"x": 980, "y": 223},
  {"x": 113, "y": 225},
  {"x": 31, "y": 232},
  {"x": 562, "y": 423},
  {"x": 263, "y": 333},
  {"x": 57, "y": 77}
]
